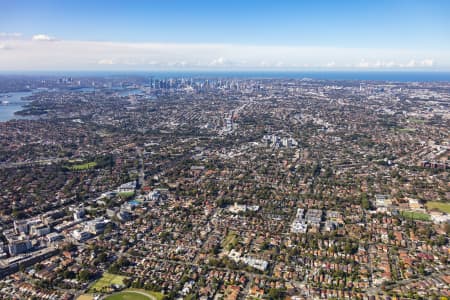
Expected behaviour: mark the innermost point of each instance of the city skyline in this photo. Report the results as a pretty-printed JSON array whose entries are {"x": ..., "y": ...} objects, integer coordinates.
[{"x": 386, "y": 35}]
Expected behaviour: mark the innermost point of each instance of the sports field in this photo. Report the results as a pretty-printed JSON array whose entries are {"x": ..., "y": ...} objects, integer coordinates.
[
  {"x": 414, "y": 215},
  {"x": 85, "y": 297},
  {"x": 126, "y": 194},
  {"x": 135, "y": 294},
  {"x": 84, "y": 166},
  {"x": 441, "y": 206},
  {"x": 106, "y": 281}
]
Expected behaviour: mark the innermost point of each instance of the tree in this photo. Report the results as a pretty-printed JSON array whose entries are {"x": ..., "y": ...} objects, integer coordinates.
[
  {"x": 276, "y": 293},
  {"x": 365, "y": 203},
  {"x": 265, "y": 245},
  {"x": 68, "y": 274},
  {"x": 22, "y": 268},
  {"x": 447, "y": 228},
  {"x": 102, "y": 257},
  {"x": 421, "y": 269},
  {"x": 84, "y": 275},
  {"x": 69, "y": 247}
]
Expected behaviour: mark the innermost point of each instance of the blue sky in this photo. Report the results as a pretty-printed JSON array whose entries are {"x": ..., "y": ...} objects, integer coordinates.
[{"x": 417, "y": 33}]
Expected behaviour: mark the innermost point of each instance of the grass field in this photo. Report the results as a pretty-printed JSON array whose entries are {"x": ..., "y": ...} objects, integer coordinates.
[
  {"x": 230, "y": 240},
  {"x": 416, "y": 121},
  {"x": 126, "y": 194},
  {"x": 135, "y": 294},
  {"x": 407, "y": 130},
  {"x": 106, "y": 281},
  {"x": 441, "y": 206},
  {"x": 415, "y": 215},
  {"x": 85, "y": 166}
]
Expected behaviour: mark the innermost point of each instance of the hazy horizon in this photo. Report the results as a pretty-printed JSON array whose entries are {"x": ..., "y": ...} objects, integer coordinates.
[{"x": 232, "y": 36}]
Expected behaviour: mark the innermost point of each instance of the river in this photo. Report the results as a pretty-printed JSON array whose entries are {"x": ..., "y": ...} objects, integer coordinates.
[{"x": 10, "y": 103}]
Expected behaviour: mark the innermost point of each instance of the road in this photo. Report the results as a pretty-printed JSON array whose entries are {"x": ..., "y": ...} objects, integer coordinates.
[{"x": 47, "y": 161}]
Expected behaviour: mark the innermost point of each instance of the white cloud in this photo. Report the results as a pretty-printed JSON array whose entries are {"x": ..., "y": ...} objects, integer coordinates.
[
  {"x": 263, "y": 64},
  {"x": 177, "y": 64},
  {"x": 382, "y": 64},
  {"x": 5, "y": 47},
  {"x": 43, "y": 37},
  {"x": 10, "y": 35},
  {"x": 363, "y": 64},
  {"x": 218, "y": 61},
  {"x": 221, "y": 62},
  {"x": 34, "y": 54},
  {"x": 105, "y": 62},
  {"x": 427, "y": 62},
  {"x": 408, "y": 64}
]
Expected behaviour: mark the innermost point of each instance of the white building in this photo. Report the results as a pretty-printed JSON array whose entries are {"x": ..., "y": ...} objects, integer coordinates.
[
  {"x": 19, "y": 246},
  {"x": 237, "y": 208},
  {"x": 78, "y": 214},
  {"x": 127, "y": 187},
  {"x": 438, "y": 217},
  {"x": 53, "y": 237},
  {"x": 80, "y": 235},
  {"x": 256, "y": 263}
]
